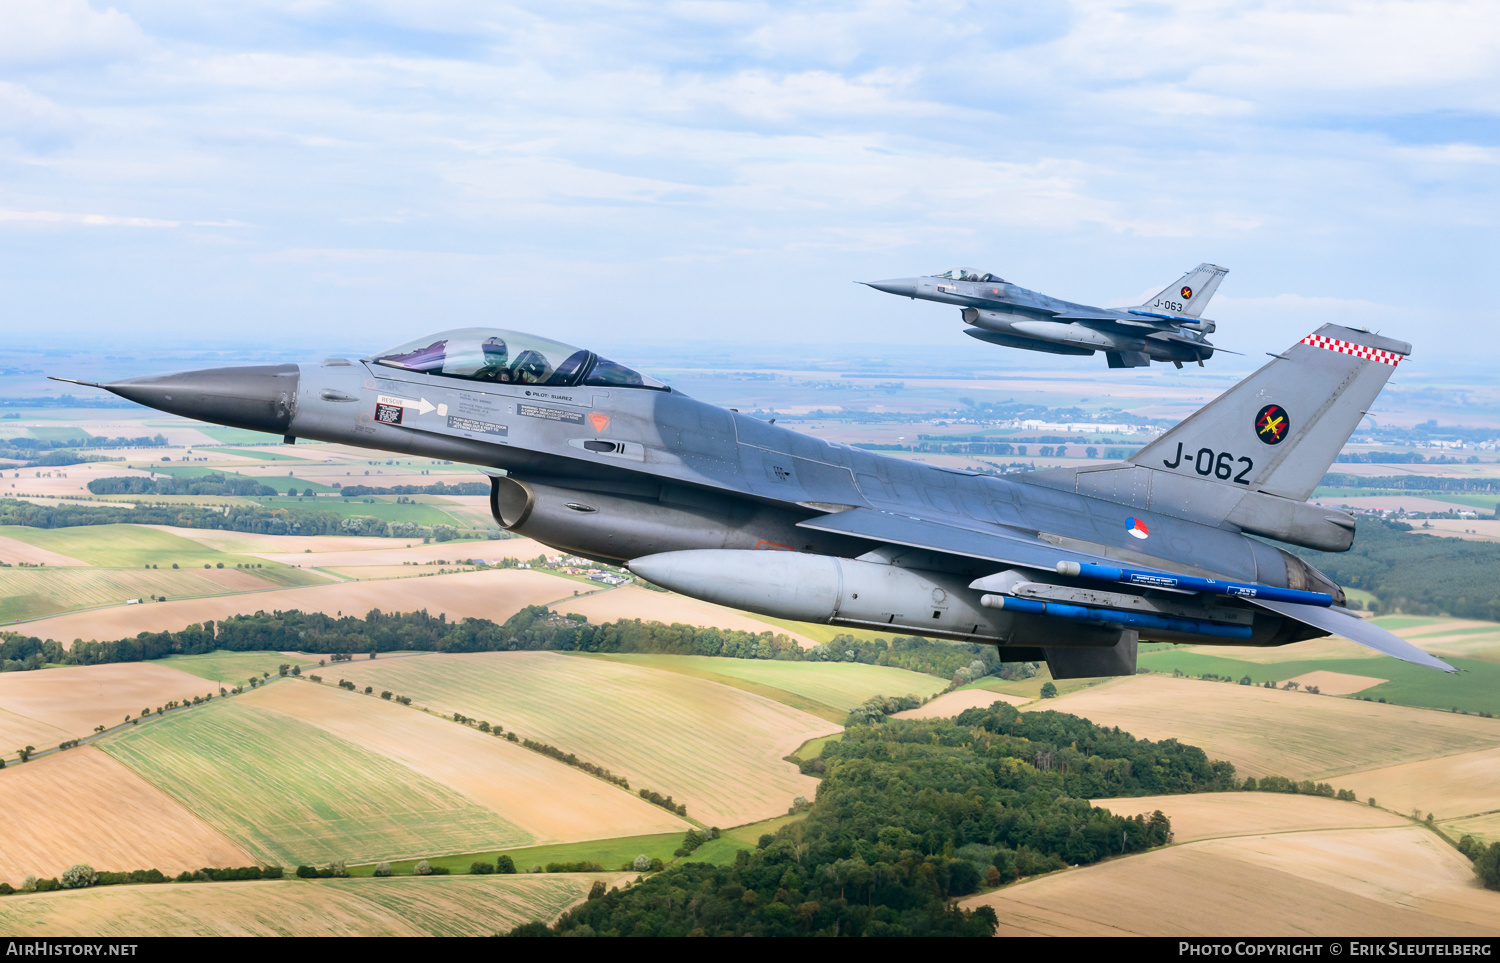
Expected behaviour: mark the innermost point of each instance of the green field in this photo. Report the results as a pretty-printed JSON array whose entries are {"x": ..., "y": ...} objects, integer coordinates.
[
  {"x": 430, "y": 906},
  {"x": 1486, "y": 827},
  {"x": 259, "y": 454},
  {"x": 839, "y": 686},
  {"x": 135, "y": 546},
  {"x": 1483, "y": 501},
  {"x": 237, "y": 436},
  {"x": 609, "y": 853},
  {"x": 721, "y": 851},
  {"x": 717, "y": 749},
  {"x": 30, "y": 593},
  {"x": 233, "y": 667},
  {"x": 58, "y": 434},
  {"x": 386, "y": 511},
  {"x": 292, "y": 793},
  {"x": 1476, "y": 688},
  {"x": 813, "y": 748}
]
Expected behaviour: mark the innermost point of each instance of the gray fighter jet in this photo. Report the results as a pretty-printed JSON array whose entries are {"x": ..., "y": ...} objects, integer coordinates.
[
  {"x": 1169, "y": 327},
  {"x": 1071, "y": 566}
]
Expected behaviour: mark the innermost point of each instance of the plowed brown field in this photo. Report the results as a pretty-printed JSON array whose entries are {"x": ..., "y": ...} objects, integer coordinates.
[
  {"x": 81, "y": 806},
  {"x": 75, "y": 699}
]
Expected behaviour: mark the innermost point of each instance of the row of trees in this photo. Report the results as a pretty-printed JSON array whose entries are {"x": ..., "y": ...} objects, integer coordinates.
[
  {"x": 1427, "y": 483},
  {"x": 911, "y": 814},
  {"x": 533, "y": 628},
  {"x": 258, "y": 519},
  {"x": 213, "y": 483}
]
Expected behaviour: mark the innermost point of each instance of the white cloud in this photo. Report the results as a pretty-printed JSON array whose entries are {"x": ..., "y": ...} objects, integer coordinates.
[
  {"x": 86, "y": 220},
  {"x": 50, "y": 33}
]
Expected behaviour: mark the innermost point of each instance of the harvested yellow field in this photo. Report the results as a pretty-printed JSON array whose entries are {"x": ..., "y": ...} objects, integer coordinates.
[
  {"x": 718, "y": 749},
  {"x": 1450, "y": 786},
  {"x": 17, "y": 731},
  {"x": 553, "y": 802},
  {"x": 955, "y": 702},
  {"x": 26, "y": 593},
  {"x": 1272, "y": 731},
  {"x": 1336, "y": 683},
  {"x": 493, "y": 595},
  {"x": 76, "y": 698},
  {"x": 1476, "y": 529},
  {"x": 1343, "y": 882},
  {"x": 408, "y": 906},
  {"x": 81, "y": 806},
  {"x": 395, "y": 552},
  {"x": 1197, "y": 816},
  {"x": 1329, "y": 647},
  {"x": 634, "y": 602},
  {"x": 16, "y": 552}
]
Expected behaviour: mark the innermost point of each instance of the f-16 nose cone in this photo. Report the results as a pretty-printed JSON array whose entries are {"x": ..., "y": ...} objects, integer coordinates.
[
  {"x": 905, "y": 287},
  {"x": 257, "y": 397}
]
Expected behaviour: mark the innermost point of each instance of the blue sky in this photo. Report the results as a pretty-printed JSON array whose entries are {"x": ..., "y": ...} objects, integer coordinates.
[{"x": 350, "y": 174}]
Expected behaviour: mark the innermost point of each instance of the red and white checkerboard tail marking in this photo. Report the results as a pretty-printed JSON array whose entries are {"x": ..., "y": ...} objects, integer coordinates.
[{"x": 1358, "y": 350}]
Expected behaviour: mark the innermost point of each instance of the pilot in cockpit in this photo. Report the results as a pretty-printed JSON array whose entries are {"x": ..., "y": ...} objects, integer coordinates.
[{"x": 496, "y": 361}]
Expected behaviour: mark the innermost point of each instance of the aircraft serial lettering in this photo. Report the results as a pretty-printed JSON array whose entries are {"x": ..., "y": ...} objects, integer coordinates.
[{"x": 1219, "y": 464}]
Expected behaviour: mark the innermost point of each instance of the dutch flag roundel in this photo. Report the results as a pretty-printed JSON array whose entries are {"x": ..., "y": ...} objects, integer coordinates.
[{"x": 1137, "y": 527}]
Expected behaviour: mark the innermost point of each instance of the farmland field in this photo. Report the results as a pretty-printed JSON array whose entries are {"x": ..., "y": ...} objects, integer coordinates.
[
  {"x": 1486, "y": 827},
  {"x": 838, "y": 685},
  {"x": 430, "y": 906},
  {"x": 232, "y": 668},
  {"x": 14, "y": 551},
  {"x": 1198, "y": 816},
  {"x": 17, "y": 731},
  {"x": 547, "y": 800},
  {"x": 957, "y": 701},
  {"x": 496, "y": 595},
  {"x": 81, "y": 806},
  {"x": 76, "y": 698},
  {"x": 1476, "y": 688},
  {"x": 634, "y": 602},
  {"x": 1400, "y": 881},
  {"x": 717, "y": 749},
  {"x": 125, "y": 546},
  {"x": 292, "y": 793},
  {"x": 609, "y": 853},
  {"x": 1449, "y": 786},
  {"x": 30, "y": 593},
  {"x": 1271, "y": 731}
]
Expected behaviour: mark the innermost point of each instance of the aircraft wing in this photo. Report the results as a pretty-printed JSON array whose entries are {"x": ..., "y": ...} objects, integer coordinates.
[
  {"x": 1344, "y": 623},
  {"x": 913, "y": 532},
  {"x": 1030, "y": 552}
]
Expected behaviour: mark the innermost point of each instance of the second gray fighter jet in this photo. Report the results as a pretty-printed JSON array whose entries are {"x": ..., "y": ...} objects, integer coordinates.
[{"x": 1167, "y": 327}]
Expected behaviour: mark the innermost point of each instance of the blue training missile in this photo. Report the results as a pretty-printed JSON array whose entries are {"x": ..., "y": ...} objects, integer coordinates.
[
  {"x": 1135, "y": 620},
  {"x": 1191, "y": 583}
]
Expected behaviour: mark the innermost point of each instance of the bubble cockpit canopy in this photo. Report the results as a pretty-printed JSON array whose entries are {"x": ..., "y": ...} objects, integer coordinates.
[
  {"x": 970, "y": 274},
  {"x": 511, "y": 357}
]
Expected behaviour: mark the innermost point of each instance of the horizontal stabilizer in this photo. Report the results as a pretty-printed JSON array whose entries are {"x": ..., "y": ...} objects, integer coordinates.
[{"x": 1344, "y": 623}]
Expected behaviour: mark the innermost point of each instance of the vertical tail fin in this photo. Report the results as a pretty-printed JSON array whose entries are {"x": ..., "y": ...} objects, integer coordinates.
[
  {"x": 1279, "y": 430},
  {"x": 1190, "y": 294}
]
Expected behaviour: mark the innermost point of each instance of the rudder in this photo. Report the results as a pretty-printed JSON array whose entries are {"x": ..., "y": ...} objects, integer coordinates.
[
  {"x": 1190, "y": 294},
  {"x": 1279, "y": 430}
]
